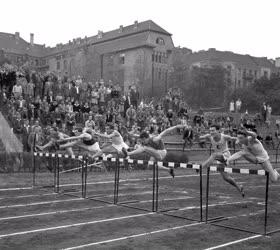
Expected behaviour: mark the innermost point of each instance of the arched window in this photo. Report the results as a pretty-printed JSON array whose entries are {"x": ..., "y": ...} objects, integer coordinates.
[{"x": 160, "y": 41}]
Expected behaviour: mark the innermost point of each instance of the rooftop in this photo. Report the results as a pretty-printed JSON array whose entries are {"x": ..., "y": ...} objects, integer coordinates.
[{"x": 122, "y": 38}]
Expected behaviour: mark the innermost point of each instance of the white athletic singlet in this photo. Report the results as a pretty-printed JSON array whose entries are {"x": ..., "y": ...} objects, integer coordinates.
[
  {"x": 256, "y": 148},
  {"x": 118, "y": 142},
  {"x": 221, "y": 146}
]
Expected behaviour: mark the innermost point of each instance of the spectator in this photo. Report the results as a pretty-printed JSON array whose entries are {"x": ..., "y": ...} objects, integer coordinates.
[{"x": 17, "y": 90}]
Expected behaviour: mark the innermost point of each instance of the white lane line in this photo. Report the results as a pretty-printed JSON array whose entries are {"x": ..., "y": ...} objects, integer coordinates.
[
  {"x": 234, "y": 242},
  {"x": 75, "y": 225},
  {"x": 103, "y": 182},
  {"x": 27, "y": 196},
  {"x": 134, "y": 236},
  {"x": 53, "y": 213},
  {"x": 161, "y": 231},
  {"x": 107, "y": 206},
  {"x": 41, "y": 203},
  {"x": 16, "y": 188},
  {"x": 81, "y": 209},
  {"x": 216, "y": 205}
]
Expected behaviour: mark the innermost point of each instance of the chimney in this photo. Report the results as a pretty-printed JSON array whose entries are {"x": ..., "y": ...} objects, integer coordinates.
[
  {"x": 100, "y": 34},
  {"x": 17, "y": 35},
  {"x": 31, "y": 39},
  {"x": 135, "y": 24},
  {"x": 121, "y": 29}
]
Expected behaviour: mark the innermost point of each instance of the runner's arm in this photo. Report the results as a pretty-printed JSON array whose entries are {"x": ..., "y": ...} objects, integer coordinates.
[
  {"x": 167, "y": 131},
  {"x": 74, "y": 138},
  {"x": 251, "y": 134},
  {"x": 202, "y": 137},
  {"x": 106, "y": 136},
  {"x": 230, "y": 138}
]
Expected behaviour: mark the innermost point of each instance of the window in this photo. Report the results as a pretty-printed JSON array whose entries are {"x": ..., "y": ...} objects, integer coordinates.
[
  {"x": 265, "y": 73},
  {"x": 65, "y": 64},
  {"x": 239, "y": 84},
  {"x": 156, "y": 58},
  {"x": 37, "y": 62},
  {"x": 159, "y": 74},
  {"x": 58, "y": 65},
  {"x": 122, "y": 59},
  {"x": 159, "y": 58},
  {"x": 256, "y": 72},
  {"x": 160, "y": 41},
  {"x": 153, "y": 57}
]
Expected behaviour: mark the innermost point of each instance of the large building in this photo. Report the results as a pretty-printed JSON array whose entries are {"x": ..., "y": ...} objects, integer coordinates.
[
  {"x": 242, "y": 70},
  {"x": 138, "y": 54}
]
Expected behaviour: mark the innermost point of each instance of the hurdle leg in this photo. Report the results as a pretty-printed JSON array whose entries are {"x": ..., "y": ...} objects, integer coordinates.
[
  {"x": 117, "y": 182},
  {"x": 34, "y": 169},
  {"x": 153, "y": 202},
  {"x": 85, "y": 177},
  {"x": 266, "y": 203},
  {"x": 58, "y": 174},
  {"x": 207, "y": 195},
  {"x": 157, "y": 187},
  {"x": 200, "y": 190},
  {"x": 54, "y": 174}
]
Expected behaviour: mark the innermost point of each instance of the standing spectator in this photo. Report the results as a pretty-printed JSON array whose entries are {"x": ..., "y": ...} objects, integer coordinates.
[
  {"x": 25, "y": 134},
  {"x": 131, "y": 116},
  {"x": 134, "y": 96},
  {"x": 90, "y": 122},
  {"x": 231, "y": 106},
  {"x": 17, "y": 90},
  {"x": 268, "y": 115},
  {"x": 30, "y": 90},
  {"x": 263, "y": 112},
  {"x": 238, "y": 105}
]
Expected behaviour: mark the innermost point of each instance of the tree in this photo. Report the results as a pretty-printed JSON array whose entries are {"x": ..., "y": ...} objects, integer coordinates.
[
  {"x": 207, "y": 88},
  {"x": 262, "y": 90}
]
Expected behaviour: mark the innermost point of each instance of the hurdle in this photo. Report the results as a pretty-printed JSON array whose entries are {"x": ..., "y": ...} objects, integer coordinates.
[
  {"x": 214, "y": 221},
  {"x": 131, "y": 203},
  {"x": 56, "y": 157},
  {"x": 82, "y": 160},
  {"x": 176, "y": 165},
  {"x": 154, "y": 178},
  {"x": 100, "y": 197},
  {"x": 53, "y": 159}
]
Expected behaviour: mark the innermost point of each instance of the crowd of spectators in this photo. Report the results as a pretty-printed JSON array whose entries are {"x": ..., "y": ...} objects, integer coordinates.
[{"x": 34, "y": 102}]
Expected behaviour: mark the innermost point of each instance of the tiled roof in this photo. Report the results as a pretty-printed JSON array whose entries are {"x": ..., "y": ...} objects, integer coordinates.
[
  {"x": 9, "y": 43},
  {"x": 130, "y": 37}
]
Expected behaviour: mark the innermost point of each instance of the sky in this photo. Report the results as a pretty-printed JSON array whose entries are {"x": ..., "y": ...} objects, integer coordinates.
[{"x": 242, "y": 26}]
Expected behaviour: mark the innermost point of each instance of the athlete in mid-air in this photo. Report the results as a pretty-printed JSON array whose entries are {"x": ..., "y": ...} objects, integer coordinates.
[
  {"x": 154, "y": 147},
  {"x": 254, "y": 152},
  {"x": 219, "y": 143}
]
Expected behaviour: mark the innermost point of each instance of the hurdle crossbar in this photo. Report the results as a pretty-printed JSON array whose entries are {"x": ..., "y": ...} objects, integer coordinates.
[{"x": 239, "y": 171}]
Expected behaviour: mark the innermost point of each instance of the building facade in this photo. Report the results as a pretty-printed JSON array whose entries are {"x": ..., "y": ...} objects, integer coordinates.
[
  {"x": 138, "y": 54},
  {"x": 241, "y": 70}
]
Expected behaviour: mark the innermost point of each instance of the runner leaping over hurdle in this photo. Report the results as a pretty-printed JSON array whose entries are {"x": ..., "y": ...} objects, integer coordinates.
[
  {"x": 154, "y": 147},
  {"x": 219, "y": 143},
  {"x": 86, "y": 141},
  {"x": 117, "y": 141},
  {"x": 254, "y": 152}
]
